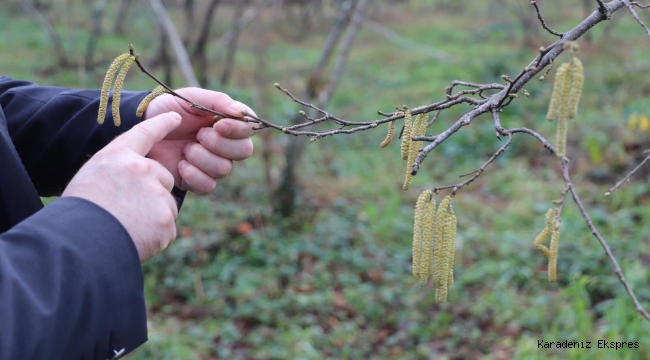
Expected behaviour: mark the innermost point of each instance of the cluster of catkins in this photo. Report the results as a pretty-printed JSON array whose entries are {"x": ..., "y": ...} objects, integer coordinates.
[
  {"x": 567, "y": 90},
  {"x": 123, "y": 63},
  {"x": 552, "y": 228},
  {"x": 409, "y": 149},
  {"x": 434, "y": 243}
]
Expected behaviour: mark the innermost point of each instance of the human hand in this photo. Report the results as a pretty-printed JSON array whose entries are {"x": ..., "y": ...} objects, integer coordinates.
[
  {"x": 134, "y": 189},
  {"x": 199, "y": 151}
]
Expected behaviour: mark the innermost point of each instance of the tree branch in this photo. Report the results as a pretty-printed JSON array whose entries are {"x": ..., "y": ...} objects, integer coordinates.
[
  {"x": 627, "y": 177},
  {"x": 541, "y": 19},
  {"x": 603, "y": 243},
  {"x": 181, "y": 54}
]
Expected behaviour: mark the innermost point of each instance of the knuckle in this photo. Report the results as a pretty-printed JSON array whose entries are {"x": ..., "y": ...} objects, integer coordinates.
[
  {"x": 144, "y": 129},
  {"x": 192, "y": 151},
  {"x": 248, "y": 148},
  {"x": 136, "y": 167},
  {"x": 224, "y": 168}
]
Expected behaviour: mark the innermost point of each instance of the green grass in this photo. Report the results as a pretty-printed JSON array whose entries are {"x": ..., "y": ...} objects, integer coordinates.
[{"x": 334, "y": 282}]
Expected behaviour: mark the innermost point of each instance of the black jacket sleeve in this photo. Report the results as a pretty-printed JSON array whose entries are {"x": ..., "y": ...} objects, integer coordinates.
[
  {"x": 55, "y": 129},
  {"x": 70, "y": 286}
]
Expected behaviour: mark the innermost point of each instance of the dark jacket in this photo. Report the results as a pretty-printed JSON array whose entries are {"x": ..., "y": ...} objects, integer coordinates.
[{"x": 70, "y": 278}]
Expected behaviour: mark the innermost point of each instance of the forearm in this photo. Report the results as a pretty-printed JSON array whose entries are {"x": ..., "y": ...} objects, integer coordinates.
[{"x": 70, "y": 285}]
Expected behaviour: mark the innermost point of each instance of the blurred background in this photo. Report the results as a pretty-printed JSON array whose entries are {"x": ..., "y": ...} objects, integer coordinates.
[{"x": 304, "y": 251}]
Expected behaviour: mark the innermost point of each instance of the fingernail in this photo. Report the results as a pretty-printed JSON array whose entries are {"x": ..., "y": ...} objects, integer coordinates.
[
  {"x": 239, "y": 108},
  {"x": 182, "y": 164}
]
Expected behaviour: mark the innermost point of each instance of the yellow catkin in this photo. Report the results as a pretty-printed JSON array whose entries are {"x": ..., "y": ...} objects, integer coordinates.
[
  {"x": 439, "y": 252},
  {"x": 558, "y": 90},
  {"x": 577, "y": 80},
  {"x": 550, "y": 215},
  {"x": 420, "y": 206},
  {"x": 563, "y": 115},
  {"x": 452, "y": 237},
  {"x": 406, "y": 135},
  {"x": 419, "y": 128},
  {"x": 447, "y": 249},
  {"x": 554, "y": 249},
  {"x": 389, "y": 136},
  {"x": 117, "y": 91},
  {"x": 429, "y": 220},
  {"x": 106, "y": 86},
  {"x": 144, "y": 104}
]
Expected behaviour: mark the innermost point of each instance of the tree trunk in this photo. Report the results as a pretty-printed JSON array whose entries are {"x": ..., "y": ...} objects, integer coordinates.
[
  {"x": 232, "y": 46},
  {"x": 287, "y": 191},
  {"x": 199, "y": 54}
]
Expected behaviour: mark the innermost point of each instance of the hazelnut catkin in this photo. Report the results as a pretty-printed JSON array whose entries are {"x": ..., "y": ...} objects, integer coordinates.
[
  {"x": 452, "y": 245},
  {"x": 389, "y": 136},
  {"x": 406, "y": 135},
  {"x": 117, "y": 91},
  {"x": 563, "y": 113},
  {"x": 106, "y": 86},
  {"x": 418, "y": 128},
  {"x": 549, "y": 218},
  {"x": 554, "y": 249},
  {"x": 578, "y": 78},
  {"x": 428, "y": 226},
  {"x": 420, "y": 206},
  {"x": 440, "y": 250},
  {"x": 142, "y": 107},
  {"x": 444, "y": 270},
  {"x": 558, "y": 91}
]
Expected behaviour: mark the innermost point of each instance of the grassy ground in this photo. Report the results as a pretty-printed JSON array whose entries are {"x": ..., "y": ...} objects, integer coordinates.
[{"x": 334, "y": 282}]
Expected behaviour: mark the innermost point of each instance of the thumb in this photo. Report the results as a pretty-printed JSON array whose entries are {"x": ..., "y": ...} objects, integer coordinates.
[{"x": 142, "y": 137}]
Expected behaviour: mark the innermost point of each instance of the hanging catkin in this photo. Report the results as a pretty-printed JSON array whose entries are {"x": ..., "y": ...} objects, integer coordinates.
[
  {"x": 418, "y": 128},
  {"x": 389, "y": 136},
  {"x": 106, "y": 85},
  {"x": 406, "y": 135},
  {"x": 142, "y": 107},
  {"x": 563, "y": 113},
  {"x": 444, "y": 271},
  {"x": 550, "y": 215},
  {"x": 554, "y": 249},
  {"x": 428, "y": 226},
  {"x": 578, "y": 78},
  {"x": 558, "y": 91},
  {"x": 452, "y": 245},
  {"x": 418, "y": 222},
  {"x": 117, "y": 91}
]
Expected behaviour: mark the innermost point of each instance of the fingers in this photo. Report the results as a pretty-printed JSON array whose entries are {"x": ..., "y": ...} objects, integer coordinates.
[
  {"x": 214, "y": 165},
  {"x": 142, "y": 137},
  {"x": 234, "y": 149},
  {"x": 194, "y": 179},
  {"x": 234, "y": 129},
  {"x": 216, "y": 101},
  {"x": 163, "y": 175}
]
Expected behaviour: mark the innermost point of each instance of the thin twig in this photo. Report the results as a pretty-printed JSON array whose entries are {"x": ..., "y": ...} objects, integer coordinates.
[
  {"x": 627, "y": 177},
  {"x": 541, "y": 19},
  {"x": 603, "y": 243},
  {"x": 407, "y": 43},
  {"x": 634, "y": 3},
  {"x": 476, "y": 172},
  {"x": 636, "y": 16}
]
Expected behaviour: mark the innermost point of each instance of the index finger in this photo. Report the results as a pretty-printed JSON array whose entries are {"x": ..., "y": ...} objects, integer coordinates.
[
  {"x": 142, "y": 137},
  {"x": 216, "y": 101}
]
